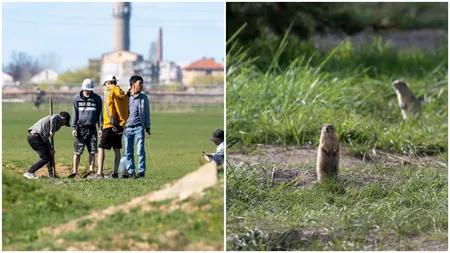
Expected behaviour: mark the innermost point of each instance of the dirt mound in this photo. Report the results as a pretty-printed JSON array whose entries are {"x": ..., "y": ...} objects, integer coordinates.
[
  {"x": 61, "y": 170},
  {"x": 194, "y": 182}
]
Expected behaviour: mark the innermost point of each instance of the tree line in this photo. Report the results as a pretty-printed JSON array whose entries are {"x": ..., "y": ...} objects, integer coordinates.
[
  {"x": 23, "y": 66},
  {"x": 273, "y": 19}
]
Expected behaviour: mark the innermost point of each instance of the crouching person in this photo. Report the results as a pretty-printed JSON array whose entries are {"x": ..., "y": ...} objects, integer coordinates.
[
  {"x": 38, "y": 138},
  {"x": 219, "y": 156}
]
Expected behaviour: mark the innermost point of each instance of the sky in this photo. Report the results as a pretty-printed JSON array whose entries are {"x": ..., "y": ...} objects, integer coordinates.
[{"x": 70, "y": 33}]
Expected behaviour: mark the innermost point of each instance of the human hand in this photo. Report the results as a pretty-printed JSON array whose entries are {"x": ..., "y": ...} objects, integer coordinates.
[
  {"x": 147, "y": 133},
  {"x": 51, "y": 133},
  {"x": 74, "y": 133},
  {"x": 100, "y": 133},
  {"x": 207, "y": 157},
  {"x": 52, "y": 152}
]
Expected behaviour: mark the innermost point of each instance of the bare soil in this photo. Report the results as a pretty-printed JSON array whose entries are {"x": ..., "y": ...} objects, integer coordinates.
[
  {"x": 290, "y": 156},
  {"x": 284, "y": 164}
]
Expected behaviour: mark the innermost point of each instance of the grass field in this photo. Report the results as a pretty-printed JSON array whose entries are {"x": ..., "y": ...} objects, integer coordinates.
[
  {"x": 376, "y": 205},
  {"x": 175, "y": 150}
]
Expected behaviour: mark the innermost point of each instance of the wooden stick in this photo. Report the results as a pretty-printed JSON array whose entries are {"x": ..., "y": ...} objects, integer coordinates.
[{"x": 52, "y": 141}]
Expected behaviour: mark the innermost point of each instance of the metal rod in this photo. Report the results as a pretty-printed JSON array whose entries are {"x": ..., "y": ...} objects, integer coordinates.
[{"x": 52, "y": 141}]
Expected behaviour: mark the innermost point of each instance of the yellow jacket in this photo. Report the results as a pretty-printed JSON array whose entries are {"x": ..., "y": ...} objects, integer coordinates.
[{"x": 115, "y": 101}]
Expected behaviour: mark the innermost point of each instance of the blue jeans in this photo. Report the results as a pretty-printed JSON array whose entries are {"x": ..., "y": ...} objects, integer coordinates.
[
  {"x": 135, "y": 136},
  {"x": 218, "y": 159}
]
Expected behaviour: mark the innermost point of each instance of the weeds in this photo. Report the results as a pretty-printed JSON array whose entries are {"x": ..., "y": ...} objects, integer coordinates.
[{"x": 348, "y": 88}]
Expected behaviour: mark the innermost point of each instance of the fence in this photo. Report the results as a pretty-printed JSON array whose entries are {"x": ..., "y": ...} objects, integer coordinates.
[{"x": 198, "y": 97}]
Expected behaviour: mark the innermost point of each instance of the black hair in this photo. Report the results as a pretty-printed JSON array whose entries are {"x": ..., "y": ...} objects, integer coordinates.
[
  {"x": 134, "y": 79},
  {"x": 218, "y": 133}
]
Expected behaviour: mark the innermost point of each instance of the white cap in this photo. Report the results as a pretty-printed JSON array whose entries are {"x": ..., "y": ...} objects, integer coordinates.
[
  {"x": 88, "y": 84},
  {"x": 109, "y": 78}
]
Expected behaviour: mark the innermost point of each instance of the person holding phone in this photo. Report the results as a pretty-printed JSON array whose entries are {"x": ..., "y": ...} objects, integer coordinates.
[{"x": 219, "y": 156}]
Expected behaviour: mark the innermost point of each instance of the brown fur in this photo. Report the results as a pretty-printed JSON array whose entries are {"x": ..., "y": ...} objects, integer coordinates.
[
  {"x": 328, "y": 153},
  {"x": 409, "y": 104}
]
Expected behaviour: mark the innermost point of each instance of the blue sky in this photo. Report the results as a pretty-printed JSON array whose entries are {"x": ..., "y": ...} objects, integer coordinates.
[{"x": 77, "y": 31}]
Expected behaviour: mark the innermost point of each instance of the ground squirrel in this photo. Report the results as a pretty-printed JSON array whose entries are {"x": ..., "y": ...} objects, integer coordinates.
[
  {"x": 328, "y": 153},
  {"x": 406, "y": 100}
]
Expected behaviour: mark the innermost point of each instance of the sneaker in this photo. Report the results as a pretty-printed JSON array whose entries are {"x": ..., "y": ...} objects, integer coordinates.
[
  {"x": 112, "y": 175},
  {"x": 86, "y": 174},
  {"x": 30, "y": 175},
  {"x": 72, "y": 175},
  {"x": 56, "y": 176},
  {"x": 93, "y": 176},
  {"x": 129, "y": 176},
  {"x": 141, "y": 174}
]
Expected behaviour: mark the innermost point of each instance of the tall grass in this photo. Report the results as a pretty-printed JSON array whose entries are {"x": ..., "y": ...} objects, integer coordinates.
[{"x": 283, "y": 97}]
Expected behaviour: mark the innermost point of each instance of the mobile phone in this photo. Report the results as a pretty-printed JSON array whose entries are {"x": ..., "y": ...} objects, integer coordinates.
[{"x": 203, "y": 153}]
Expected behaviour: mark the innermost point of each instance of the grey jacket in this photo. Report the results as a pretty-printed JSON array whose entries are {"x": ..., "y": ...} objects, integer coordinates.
[
  {"x": 144, "y": 110},
  {"x": 86, "y": 111},
  {"x": 45, "y": 125}
]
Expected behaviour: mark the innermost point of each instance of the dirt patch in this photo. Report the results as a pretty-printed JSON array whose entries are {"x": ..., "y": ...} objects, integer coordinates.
[
  {"x": 284, "y": 164},
  {"x": 278, "y": 164},
  {"x": 291, "y": 156},
  {"x": 287, "y": 157},
  {"x": 61, "y": 170}
]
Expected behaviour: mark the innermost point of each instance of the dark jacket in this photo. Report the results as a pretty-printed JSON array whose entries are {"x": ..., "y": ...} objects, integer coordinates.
[{"x": 86, "y": 110}]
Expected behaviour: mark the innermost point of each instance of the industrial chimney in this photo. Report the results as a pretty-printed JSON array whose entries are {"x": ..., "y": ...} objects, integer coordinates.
[
  {"x": 160, "y": 47},
  {"x": 121, "y": 14}
]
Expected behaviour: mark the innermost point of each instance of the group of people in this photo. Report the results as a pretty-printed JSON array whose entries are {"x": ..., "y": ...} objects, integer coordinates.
[{"x": 118, "y": 114}]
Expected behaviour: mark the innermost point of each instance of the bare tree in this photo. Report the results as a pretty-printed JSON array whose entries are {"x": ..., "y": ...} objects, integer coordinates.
[{"x": 23, "y": 66}]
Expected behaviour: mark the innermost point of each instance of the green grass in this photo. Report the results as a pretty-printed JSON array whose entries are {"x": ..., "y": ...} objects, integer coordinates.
[
  {"x": 392, "y": 210},
  {"x": 200, "y": 224},
  {"x": 174, "y": 150},
  {"x": 288, "y": 103},
  {"x": 283, "y": 97}
]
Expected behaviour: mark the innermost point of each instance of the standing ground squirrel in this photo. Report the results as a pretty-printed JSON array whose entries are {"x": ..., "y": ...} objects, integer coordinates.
[
  {"x": 406, "y": 100},
  {"x": 328, "y": 153}
]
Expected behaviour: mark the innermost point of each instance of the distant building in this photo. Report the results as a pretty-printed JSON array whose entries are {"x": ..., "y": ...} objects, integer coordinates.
[
  {"x": 45, "y": 76},
  {"x": 200, "y": 68},
  {"x": 119, "y": 63},
  {"x": 7, "y": 79},
  {"x": 169, "y": 73}
]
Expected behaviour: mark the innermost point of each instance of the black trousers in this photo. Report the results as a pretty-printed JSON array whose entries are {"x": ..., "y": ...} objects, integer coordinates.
[{"x": 37, "y": 144}]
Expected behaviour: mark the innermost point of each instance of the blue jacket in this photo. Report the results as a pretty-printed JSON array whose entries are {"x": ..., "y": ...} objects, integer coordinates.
[{"x": 144, "y": 110}]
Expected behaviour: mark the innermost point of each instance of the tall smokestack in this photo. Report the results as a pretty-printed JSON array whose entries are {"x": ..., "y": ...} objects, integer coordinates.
[
  {"x": 160, "y": 46},
  {"x": 121, "y": 14}
]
